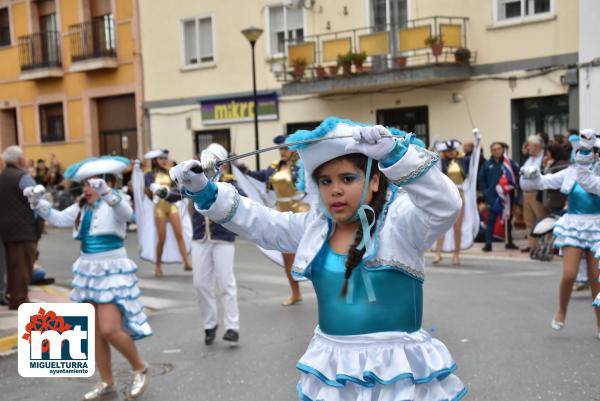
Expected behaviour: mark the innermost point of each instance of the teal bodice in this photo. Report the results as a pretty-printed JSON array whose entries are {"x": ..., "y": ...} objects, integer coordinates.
[
  {"x": 398, "y": 303},
  {"x": 95, "y": 243},
  {"x": 582, "y": 202}
]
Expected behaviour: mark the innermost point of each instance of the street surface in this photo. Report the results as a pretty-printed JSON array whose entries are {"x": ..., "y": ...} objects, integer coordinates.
[{"x": 493, "y": 314}]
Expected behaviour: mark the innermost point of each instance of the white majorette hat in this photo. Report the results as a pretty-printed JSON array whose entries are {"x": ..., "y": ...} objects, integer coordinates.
[
  {"x": 153, "y": 154},
  {"x": 315, "y": 154},
  {"x": 452, "y": 144},
  {"x": 96, "y": 166}
]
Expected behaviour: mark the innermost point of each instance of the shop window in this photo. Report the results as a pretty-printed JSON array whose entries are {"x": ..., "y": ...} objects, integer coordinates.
[{"x": 52, "y": 122}]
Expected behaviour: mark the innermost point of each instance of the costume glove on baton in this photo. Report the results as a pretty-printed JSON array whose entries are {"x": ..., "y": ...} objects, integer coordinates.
[{"x": 190, "y": 175}]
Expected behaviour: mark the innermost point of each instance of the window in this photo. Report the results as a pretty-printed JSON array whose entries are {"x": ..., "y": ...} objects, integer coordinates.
[
  {"x": 508, "y": 9},
  {"x": 284, "y": 24},
  {"x": 4, "y": 27},
  {"x": 51, "y": 122},
  {"x": 198, "y": 41}
]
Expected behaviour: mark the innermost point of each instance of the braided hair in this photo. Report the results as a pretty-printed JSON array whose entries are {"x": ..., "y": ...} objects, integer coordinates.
[{"x": 355, "y": 255}]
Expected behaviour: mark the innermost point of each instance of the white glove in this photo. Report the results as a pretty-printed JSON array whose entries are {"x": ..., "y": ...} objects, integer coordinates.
[
  {"x": 208, "y": 161},
  {"x": 34, "y": 194},
  {"x": 99, "y": 185},
  {"x": 530, "y": 172},
  {"x": 587, "y": 139},
  {"x": 159, "y": 190},
  {"x": 371, "y": 141},
  {"x": 183, "y": 176},
  {"x": 584, "y": 158},
  {"x": 476, "y": 133}
]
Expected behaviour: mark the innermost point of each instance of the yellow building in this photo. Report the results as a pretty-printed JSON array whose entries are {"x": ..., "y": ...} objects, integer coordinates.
[
  {"x": 69, "y": 78},
  {"x": 518, "y": 77}
]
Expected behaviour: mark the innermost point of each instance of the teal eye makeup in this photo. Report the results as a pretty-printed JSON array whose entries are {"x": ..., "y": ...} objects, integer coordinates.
[{"x": 351, "y": 178}]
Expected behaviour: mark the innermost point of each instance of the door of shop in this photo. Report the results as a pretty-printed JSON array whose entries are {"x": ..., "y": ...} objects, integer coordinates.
[
  {"x": 117, "y": 126},
  {"x": 8, "y": 128},
  {"x": 204, "y": 138},
  {"x": 290, "y": 128},
  {"x": 409, "y": 119},
  {"x": 549, "y": 114}
]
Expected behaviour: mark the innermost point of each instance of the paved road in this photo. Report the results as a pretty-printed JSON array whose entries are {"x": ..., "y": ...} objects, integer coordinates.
[{"x": 493, "y": 314}]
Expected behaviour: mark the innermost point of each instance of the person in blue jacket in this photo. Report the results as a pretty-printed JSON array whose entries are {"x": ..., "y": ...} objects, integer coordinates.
[{"x": 496, "y": 171}]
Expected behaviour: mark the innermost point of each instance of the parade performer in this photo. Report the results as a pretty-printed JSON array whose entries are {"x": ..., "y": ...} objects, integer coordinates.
[
  {"x": 159, "y": 189},
  {"x": 363, "y": 249},
  {"x": 577, "y": 232},
  {"x": 213, "y": 253},
  {"x": 103, "y": 274},
  {"x": 281, "y": 177},
  {"x": 462, "y": 170}
]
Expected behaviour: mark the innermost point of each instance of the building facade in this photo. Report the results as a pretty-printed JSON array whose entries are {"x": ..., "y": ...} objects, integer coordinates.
[
  {"x": 518, "y": 77},
  {"x": 70, "y": 78}
]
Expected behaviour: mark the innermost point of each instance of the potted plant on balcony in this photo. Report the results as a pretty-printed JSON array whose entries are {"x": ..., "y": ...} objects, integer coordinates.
[
  {"x": 462, "y": 56},
  {"x": 333, "y": 70},
  {"x": 345, "y": 61},
  {"x": 401, "y": 61},
  {"x": 358, "y": 59},
  {"x": 436, "y": 43},
  {"x": 299, "y": 65},
  {"x": 321, "y": 72}
]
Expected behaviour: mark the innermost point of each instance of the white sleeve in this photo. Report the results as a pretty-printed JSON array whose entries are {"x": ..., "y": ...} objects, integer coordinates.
[
  {"x": 435, "y": 198},
  {"x": 588, "y": 180},
  {"x": 120, "y": 205},
  {"x": 64, "y": 218},
  {"x": 266, "y": 227},
  {"x": 542, "y": 182}
]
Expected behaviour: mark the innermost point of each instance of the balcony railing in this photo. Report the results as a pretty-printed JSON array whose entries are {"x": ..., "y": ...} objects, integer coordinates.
[
  {"x": 93, "y": 39},
  {"x": 40, "y": 50},
  {"x": 385, "y": 48}
]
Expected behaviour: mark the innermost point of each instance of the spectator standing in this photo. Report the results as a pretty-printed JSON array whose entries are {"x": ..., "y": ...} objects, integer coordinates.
[
  {"x": 556, "y": 159},
  {"x": 533, "y": 209},
  {"x": 17, "y": 229},
  {"x": 498, "y": 182}
]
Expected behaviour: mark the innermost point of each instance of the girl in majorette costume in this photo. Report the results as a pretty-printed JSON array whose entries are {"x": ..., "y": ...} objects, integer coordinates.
[
  {"x": 587, "y": 177},
  {"x": 103, "y": 275},
  {"x": 363, "y": 249},
  {"x": 158, "y": 187},
  {"x": 577, "y": 232},
  {"x": 462, "y": 170},
  {"x": 281, "y": 177}
]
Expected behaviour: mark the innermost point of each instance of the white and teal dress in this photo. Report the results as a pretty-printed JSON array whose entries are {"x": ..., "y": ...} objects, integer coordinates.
[
  {"x": 104, "y": 274},
  {"x": 370, "y": 346}
]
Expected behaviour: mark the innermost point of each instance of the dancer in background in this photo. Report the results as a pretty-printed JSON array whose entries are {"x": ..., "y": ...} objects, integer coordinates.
[
  {"x": 282, "y": 176},
  {"x": 463, "y": 172},
  {"x": 213, "y": 253},
  {"x": 363, "y": 249},
  {"x": 159, "y": 188},
  {"x": 103, "y": 275},
  {"x": 577, "y": 232}
]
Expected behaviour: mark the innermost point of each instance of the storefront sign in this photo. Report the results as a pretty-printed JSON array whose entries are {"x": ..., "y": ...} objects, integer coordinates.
[{"x": 239, "y": 109}]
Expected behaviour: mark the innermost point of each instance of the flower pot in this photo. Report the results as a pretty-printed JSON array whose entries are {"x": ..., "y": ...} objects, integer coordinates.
[
  {"x": 401, "y": 61},
  {"x": 333, "y": 70},
  {"x": 461, "y": 60},
  {"x": 299, "y": 71},
  {"x": 321, "y": 72},
  {"x": 358, "y": 65},
  {"x": 347, "y": 69},
  {"x": 437, "y": 48}
]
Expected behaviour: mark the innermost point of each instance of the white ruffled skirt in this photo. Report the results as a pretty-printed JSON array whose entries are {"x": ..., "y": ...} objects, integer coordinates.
[
  {"x": 597, "y": 301},
  {"x": 109, "y": 277},
  {"x": 386, "y": 366},
  {"x": 578, "y": 230}
]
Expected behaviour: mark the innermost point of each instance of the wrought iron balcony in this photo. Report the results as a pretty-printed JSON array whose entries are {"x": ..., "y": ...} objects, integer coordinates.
[
  {"x": 414, "y": 51},
  {"x": 93, "y": 39},
  {"x": 40, "y": 51}
]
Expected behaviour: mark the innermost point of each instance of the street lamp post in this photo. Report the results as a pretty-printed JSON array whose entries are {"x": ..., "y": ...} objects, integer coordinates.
[{"x": 252, "y": 34}]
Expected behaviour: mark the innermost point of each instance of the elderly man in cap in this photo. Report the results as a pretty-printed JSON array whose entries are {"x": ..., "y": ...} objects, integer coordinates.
[{"x": 18, "y": 228}]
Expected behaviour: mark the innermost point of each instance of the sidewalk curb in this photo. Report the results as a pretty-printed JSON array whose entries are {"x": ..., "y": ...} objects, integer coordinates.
[{"x": 8, "y": 345}]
